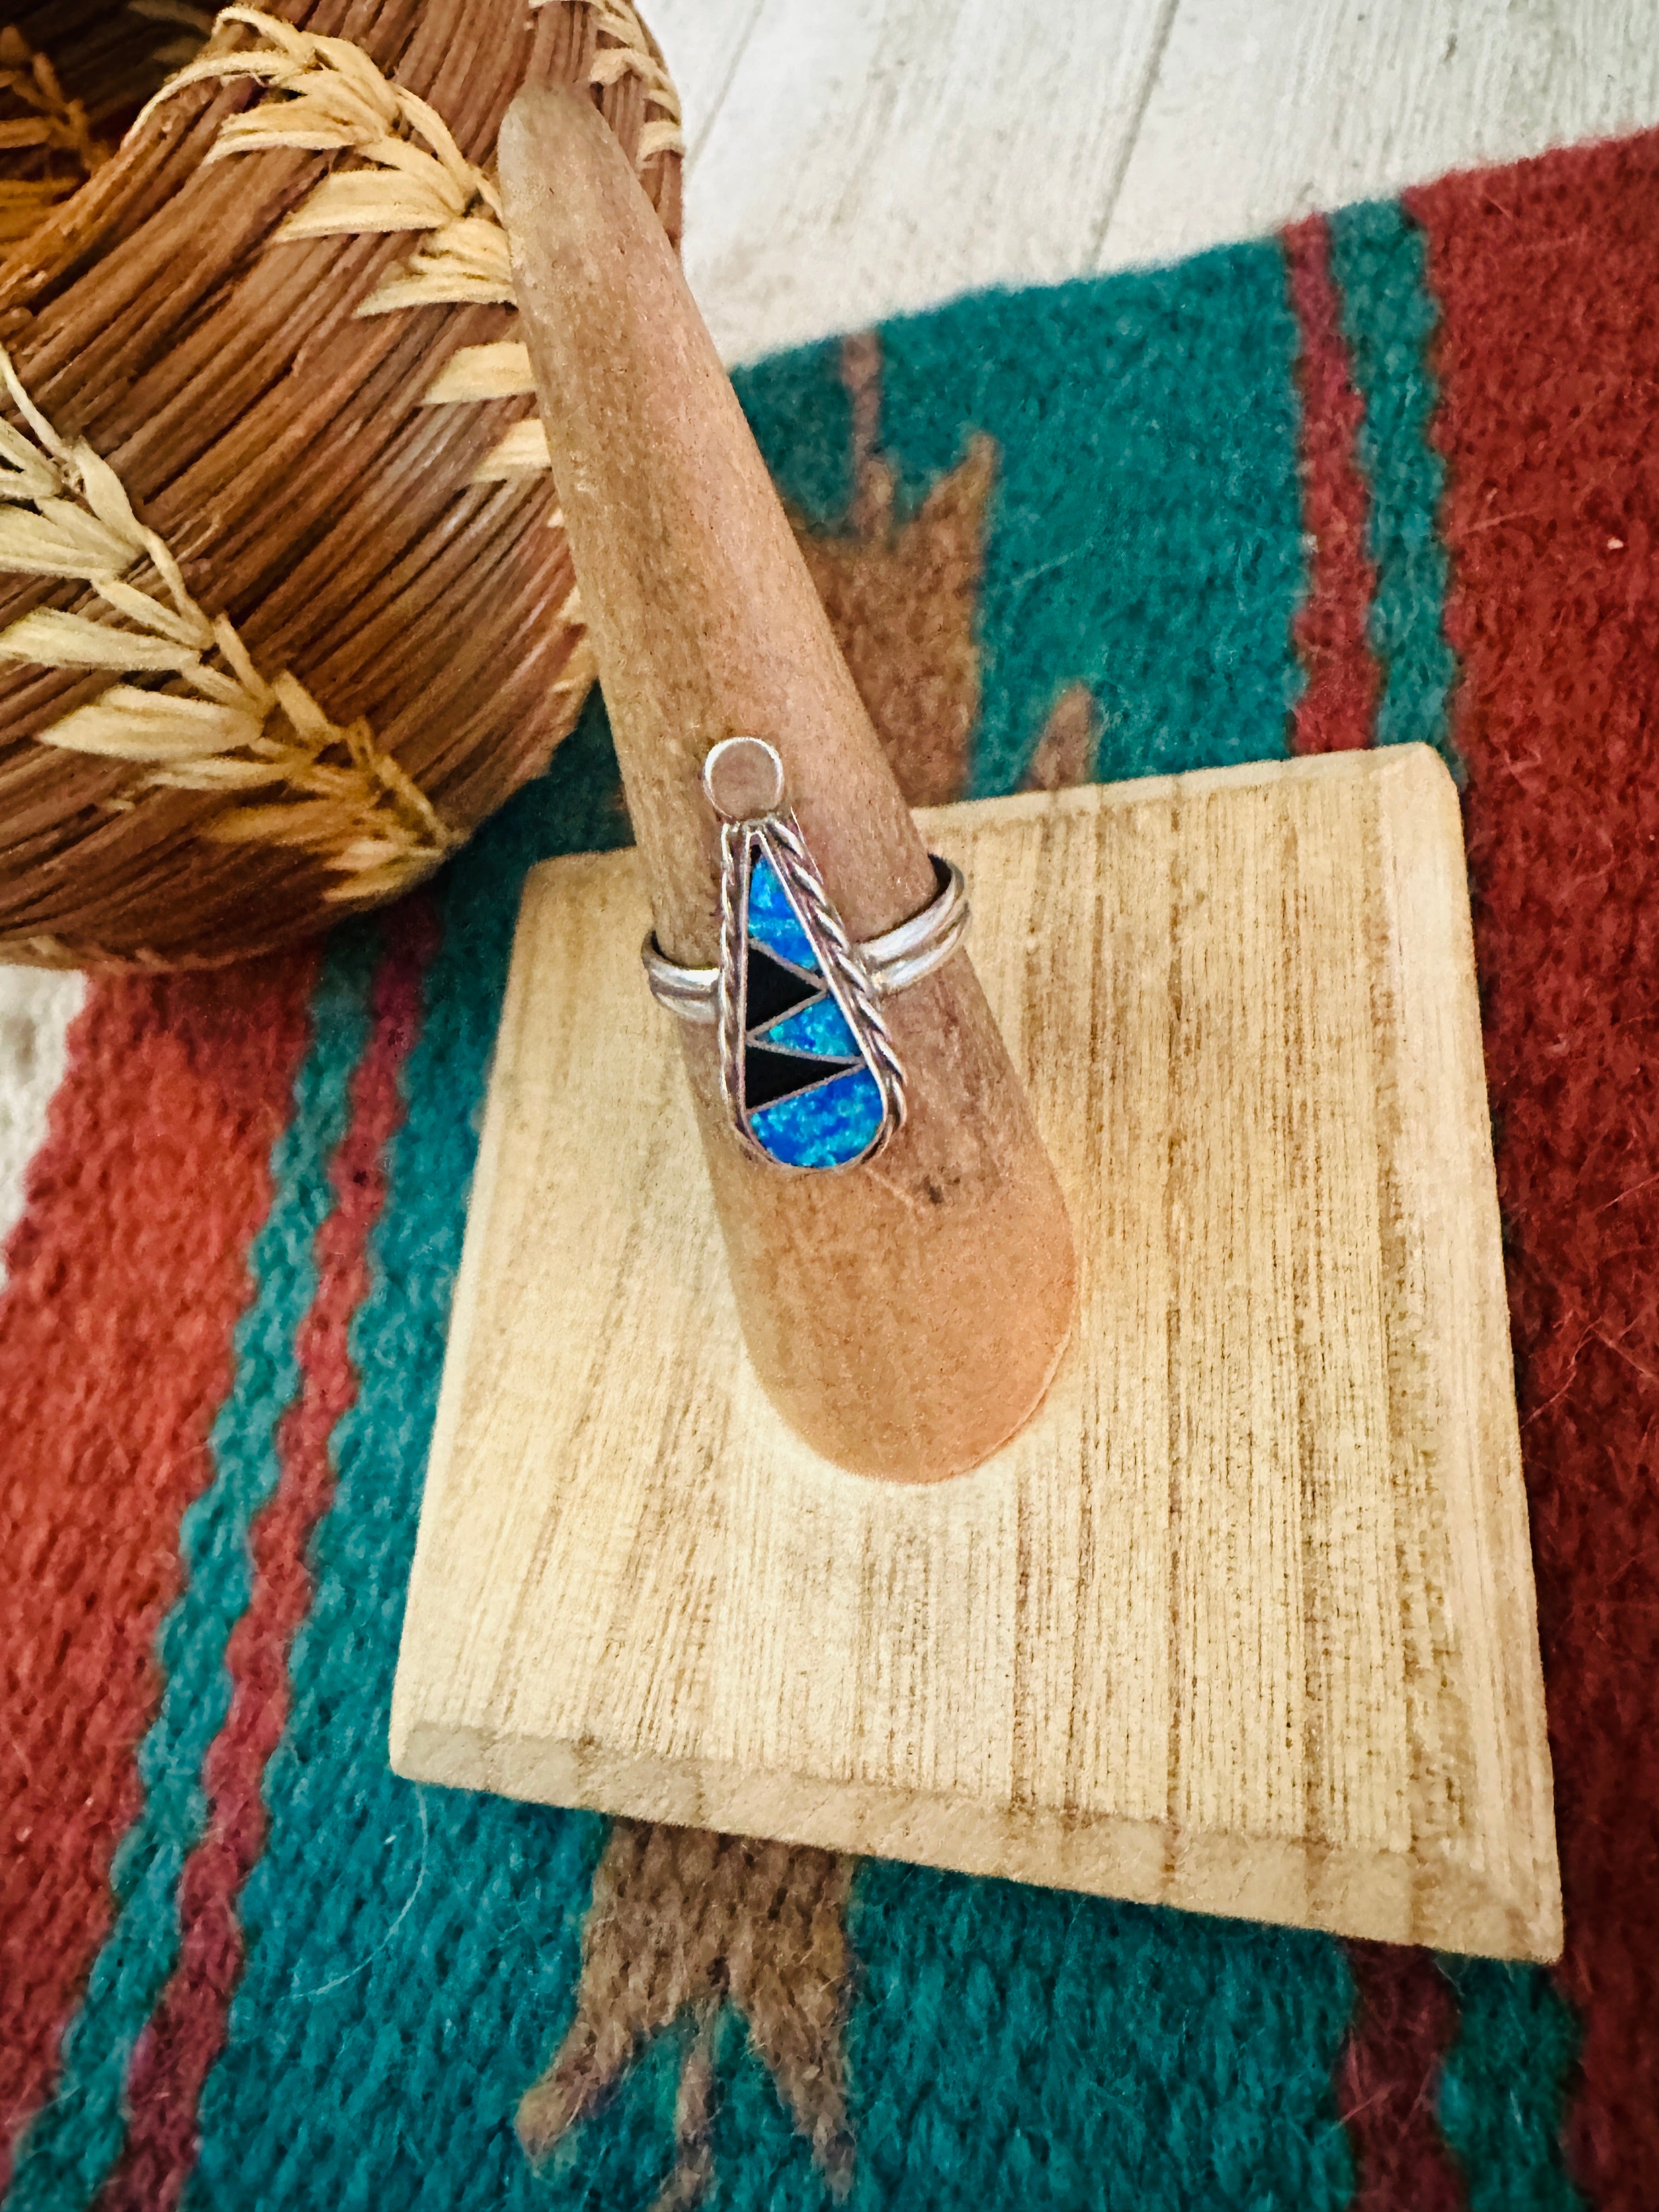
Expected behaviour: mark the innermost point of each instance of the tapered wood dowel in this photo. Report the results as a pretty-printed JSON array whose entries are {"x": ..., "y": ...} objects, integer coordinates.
[{"x": 905, "y": 1317}]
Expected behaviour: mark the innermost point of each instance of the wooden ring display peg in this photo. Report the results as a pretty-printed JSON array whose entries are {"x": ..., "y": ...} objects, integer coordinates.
[
  {"x": 907, "y": 1316},
  {"x": 286, "y": 608}
]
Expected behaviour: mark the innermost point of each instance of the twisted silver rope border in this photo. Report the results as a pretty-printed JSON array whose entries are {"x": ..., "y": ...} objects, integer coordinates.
[
  {"x": 728, "y": 1007},
  {"x": 844, "y": 961}
]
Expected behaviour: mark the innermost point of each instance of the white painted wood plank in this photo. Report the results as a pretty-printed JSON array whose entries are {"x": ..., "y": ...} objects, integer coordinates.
[
  {"x": 1264, "y": 110},
  {"x": 880, "y": 155},
  {"x": 35, "y": 1012},
  {"x": 702, "y": 41}
]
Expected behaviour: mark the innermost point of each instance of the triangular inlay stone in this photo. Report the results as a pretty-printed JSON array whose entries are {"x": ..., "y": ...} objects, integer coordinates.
[
  {"x": 771, "y": 990},
  {"x": 767, "y": 1076}
]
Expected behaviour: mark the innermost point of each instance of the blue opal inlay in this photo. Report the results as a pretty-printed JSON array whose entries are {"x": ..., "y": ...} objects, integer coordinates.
[
  {"x": 772, "y": 921},
  {"x": 826, "y": 1127},
  {"x": 820, "y": 1027}
]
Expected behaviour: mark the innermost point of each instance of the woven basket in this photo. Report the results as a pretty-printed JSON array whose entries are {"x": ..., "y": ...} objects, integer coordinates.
[{"x": 287, "y": 608}]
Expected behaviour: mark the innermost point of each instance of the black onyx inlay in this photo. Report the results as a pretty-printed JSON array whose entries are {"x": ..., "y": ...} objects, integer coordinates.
[
  {"x": 770, "y": 989},
  {"x": 770, "y": 1076}
]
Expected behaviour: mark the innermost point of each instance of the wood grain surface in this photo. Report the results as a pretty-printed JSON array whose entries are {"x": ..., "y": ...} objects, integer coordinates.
[
  {"x": 863, "y": 160},
  {"x": 1264, "y": 111},
  {"x": 1243, "y": 1619},
  {"x": 882, "y": 153}
]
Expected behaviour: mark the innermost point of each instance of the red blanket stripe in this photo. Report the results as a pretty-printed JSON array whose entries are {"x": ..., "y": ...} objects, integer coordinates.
[
  {"x": 1405, "y": 2017},
  {"x": 187, "y": 2032},
  {"x": 1549, "y": 363},
  {"x": 1388, "y": 2081},
  {"x": 1338, "y": 709},
  {"x": 115, "y": 1356}
]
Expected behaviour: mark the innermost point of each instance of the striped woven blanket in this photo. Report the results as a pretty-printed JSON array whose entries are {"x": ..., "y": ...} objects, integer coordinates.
[{"x": 1393, "y": 476}]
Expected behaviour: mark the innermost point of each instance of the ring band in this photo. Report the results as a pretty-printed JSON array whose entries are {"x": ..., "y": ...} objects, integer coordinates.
[{"x": 896, "y": 958}]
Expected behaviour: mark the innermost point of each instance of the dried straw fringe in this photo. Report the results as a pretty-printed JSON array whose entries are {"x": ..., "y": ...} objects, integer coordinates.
[
  {"x": 55, "y": 127},
  {"x": 65, "y": 513},
  {"x": 55, "y": 130},
  {"x": 336, "y": 100}
]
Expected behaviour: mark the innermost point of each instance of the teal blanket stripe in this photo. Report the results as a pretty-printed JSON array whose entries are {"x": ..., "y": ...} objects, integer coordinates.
[
  {"x": 1503, "y": 2090},
  {"x": 802, "y": 418},
  {"x": 411, "y": 1952},
  {"x": 1380, "y": 263},
  {"x": 77, "y": 2137},
  {"x": 1016, "y": 2050},
  {"x": 1147, "y": 530},
  {"x": 1031, "y": 2052}
]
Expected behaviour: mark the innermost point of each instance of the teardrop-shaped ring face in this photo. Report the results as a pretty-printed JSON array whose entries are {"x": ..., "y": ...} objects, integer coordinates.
[
  {"x": 810, "y": 1072},
  {"x": 807, "y": 1066}
]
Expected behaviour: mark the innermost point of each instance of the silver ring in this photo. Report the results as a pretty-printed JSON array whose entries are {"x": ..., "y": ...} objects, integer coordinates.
[
  {"x": 810, "y": 1073},
  {"x": 895, "y": 959}
]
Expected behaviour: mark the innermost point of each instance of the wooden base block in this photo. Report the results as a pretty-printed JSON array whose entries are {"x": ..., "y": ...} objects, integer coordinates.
[{"x": 1243, "y": 1619}]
